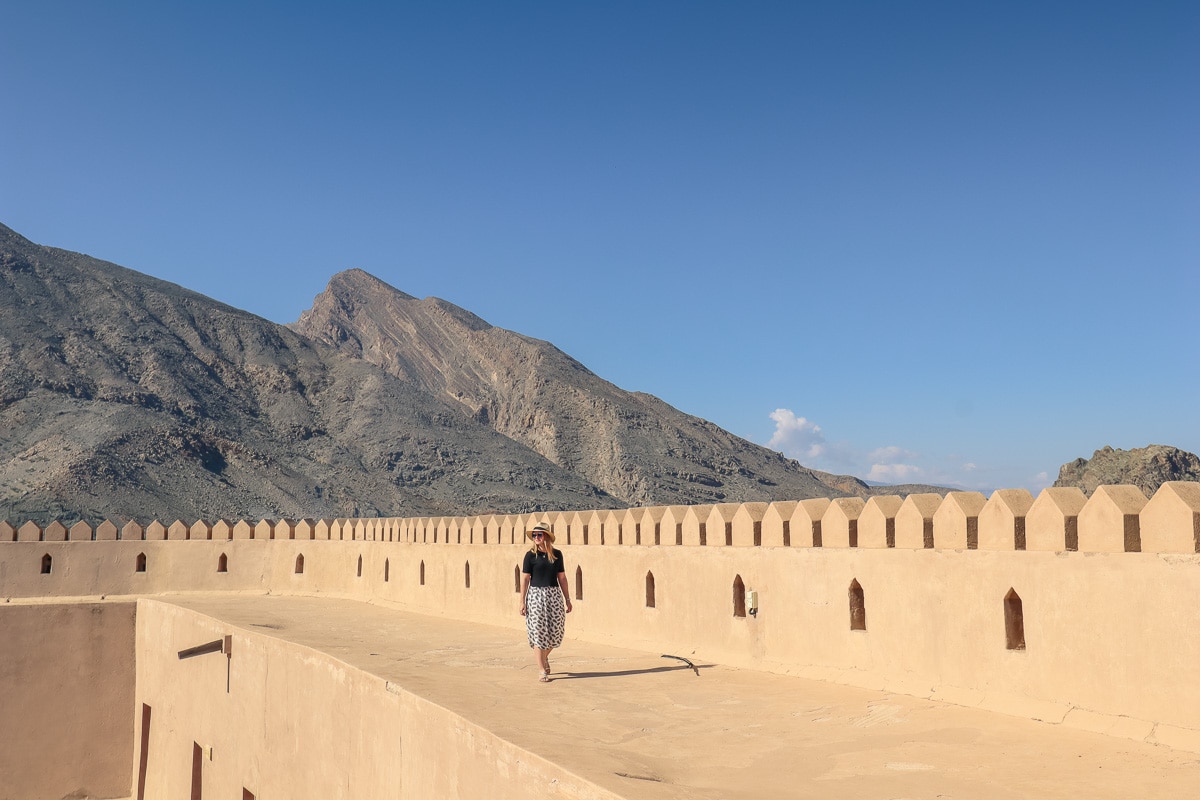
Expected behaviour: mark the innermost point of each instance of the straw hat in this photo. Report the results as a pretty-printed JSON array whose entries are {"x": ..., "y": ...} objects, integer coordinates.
[{"x": 541, "y": 527}]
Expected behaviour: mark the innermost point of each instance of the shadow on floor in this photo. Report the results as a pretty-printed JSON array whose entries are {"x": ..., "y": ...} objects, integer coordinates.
[{"x": 571, "y": 675}]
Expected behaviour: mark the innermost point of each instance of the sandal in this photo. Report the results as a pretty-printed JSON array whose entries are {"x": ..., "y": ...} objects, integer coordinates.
[{"x": 545, "y": 677}]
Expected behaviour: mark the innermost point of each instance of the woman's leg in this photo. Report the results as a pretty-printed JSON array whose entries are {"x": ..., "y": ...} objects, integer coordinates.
[{"x": 540, "y": 658}]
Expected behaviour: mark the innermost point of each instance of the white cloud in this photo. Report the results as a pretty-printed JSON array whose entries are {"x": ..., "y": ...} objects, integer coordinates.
[
  {"x": 890, "y": 455},
  {"x": 1041, "y": 481},
  {"x": 796, "y": 437},
  {"x": 895, "y": 473},
  {"x": 804, "y": 440}
]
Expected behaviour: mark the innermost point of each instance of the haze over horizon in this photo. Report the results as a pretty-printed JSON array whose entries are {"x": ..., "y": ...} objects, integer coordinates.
[{"x": 929, "y": 243}]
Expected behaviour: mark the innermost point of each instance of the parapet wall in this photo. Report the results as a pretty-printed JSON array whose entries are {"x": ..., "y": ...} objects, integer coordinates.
[
  {"x": 1083, "y": 611},
  {"x": 1113, "y": 519}
]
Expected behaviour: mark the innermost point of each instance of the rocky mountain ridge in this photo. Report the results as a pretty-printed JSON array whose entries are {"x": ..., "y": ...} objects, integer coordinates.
[
  {"x": 125, "y": 396},
  {"x": 631, "y": 445}
]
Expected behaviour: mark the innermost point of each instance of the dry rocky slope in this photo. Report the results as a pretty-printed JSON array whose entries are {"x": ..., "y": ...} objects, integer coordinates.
[
  {"x": 631, "y": 445},
  {"x": 1144, "y": 467},
  {"x": 123, "y": 396}
]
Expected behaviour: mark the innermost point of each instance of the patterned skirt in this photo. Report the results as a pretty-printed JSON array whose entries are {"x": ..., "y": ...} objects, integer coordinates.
[{"x": 545, "y": 616}]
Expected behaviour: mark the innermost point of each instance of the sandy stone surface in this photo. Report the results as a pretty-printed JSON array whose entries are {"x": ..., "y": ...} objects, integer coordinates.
[{"x": 649, "y": 727}]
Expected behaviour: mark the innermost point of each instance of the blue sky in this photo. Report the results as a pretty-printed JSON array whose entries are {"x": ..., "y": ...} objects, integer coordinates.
[{"x": 942, "y": 242}]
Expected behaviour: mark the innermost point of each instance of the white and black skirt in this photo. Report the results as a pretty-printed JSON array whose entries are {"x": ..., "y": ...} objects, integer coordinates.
[{"x": 545, "y": 617}]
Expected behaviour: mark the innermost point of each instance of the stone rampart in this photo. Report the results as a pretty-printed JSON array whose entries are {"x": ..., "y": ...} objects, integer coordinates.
[{"x": 1073, "y": 610}]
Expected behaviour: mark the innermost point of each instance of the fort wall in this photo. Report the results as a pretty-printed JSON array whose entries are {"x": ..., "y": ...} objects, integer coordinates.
[
  {"x": 66, "y": 695},
  {"x": 1072, "y": 610},
  {"x": 275, "y": 719}
]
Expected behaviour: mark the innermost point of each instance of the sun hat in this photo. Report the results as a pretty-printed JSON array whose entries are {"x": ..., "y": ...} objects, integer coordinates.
[{"x": 541, "y": 527}]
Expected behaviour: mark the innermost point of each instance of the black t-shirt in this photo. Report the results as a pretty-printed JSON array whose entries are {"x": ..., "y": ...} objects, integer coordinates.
[{"x": 542, "y": 572}]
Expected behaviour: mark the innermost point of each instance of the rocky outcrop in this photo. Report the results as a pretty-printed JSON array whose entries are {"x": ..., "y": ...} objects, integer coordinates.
[{"x": 1145, "y": 467}]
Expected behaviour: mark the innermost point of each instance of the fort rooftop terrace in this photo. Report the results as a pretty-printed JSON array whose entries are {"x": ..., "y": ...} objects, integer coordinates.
[{"x": 620, "y": 723}]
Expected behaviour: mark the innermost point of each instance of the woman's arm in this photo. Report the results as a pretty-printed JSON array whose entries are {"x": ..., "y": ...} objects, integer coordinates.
[
  {"x": 562, "y": 584},
  {"x": 525, "y": 578}
]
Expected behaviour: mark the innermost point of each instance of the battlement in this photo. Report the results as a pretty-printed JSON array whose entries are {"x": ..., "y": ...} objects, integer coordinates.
[
  {"x": 1113, "y": 519},
  {"x": 1063, "y": 608}
]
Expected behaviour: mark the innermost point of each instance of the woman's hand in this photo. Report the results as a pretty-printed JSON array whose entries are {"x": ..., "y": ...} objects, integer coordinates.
[
  {"x": 523, "y": 609},
  {"x": 568, "y": 605}
]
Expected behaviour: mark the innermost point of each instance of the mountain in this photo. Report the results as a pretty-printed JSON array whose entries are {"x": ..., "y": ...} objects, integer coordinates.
[
  {"x": 1144, "y": 467},
  {"x": 124, "y": 396},
  {"x": 632, "y": 445}
]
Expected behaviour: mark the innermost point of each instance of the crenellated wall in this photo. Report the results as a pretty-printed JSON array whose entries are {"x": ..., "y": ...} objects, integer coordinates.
[{"x": 1074, "y": 610}]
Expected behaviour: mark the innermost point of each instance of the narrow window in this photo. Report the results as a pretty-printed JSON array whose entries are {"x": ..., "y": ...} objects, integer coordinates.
[
  {"x": 1014, "y": 621},
  {"x": 47, "y": 564},
  {"x": 889, "y": 531},
  {"x": 739, "y": 597},
  {"x": 858, "y": 607},
  {"x": 579, "y": 583},
  {"x": 422, "y": 573},
  {"x": 585, "y": 534},
  {"x": 517, "y": 579},
  {"x": 359, "y": 567},
  {"x": 703, "y": 533},
  {"x": 657, "y": 532},
  {"x": 649, "y": 590},
  {"x": 637, "y": 533},
  {"x": 300, "y": 564},
  {"x": 816, "y": 533},
  {"x": 678, "y": 533},
  {"x": 223, "y": 563},
  {"x": 787, "y": 533},
  {"x": 729, "y": 534},
  {"x": 758, "y": 534},
  {"x": 927, "y": 533},
  {"x": 1071, "y": 533},
  {"x": 387, "y": 570},
  {"x": 467, "y": 575},
  {"x": 247, "y": 794},
  {"x": 854, "y": 533},
  {"x": 140, "y": 566}
]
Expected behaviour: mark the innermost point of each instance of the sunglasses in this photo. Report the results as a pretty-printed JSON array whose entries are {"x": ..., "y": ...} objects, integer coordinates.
[{"x": 537, "y": 535}]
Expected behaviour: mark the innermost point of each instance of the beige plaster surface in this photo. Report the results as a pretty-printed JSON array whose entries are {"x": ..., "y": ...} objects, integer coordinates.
[
  {"x": 66, "y": 700},
  {"x": 645, "y": 727}
]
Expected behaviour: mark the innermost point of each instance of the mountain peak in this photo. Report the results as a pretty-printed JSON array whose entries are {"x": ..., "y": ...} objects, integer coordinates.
[{"x": 633, "y": 447}]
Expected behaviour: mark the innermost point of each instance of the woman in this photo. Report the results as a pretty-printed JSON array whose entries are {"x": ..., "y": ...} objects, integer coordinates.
[{"x": 545, "y": 601}]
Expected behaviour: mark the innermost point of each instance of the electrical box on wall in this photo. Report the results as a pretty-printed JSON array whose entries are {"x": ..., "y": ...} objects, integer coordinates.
[{"x": 752, "y": 602}]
